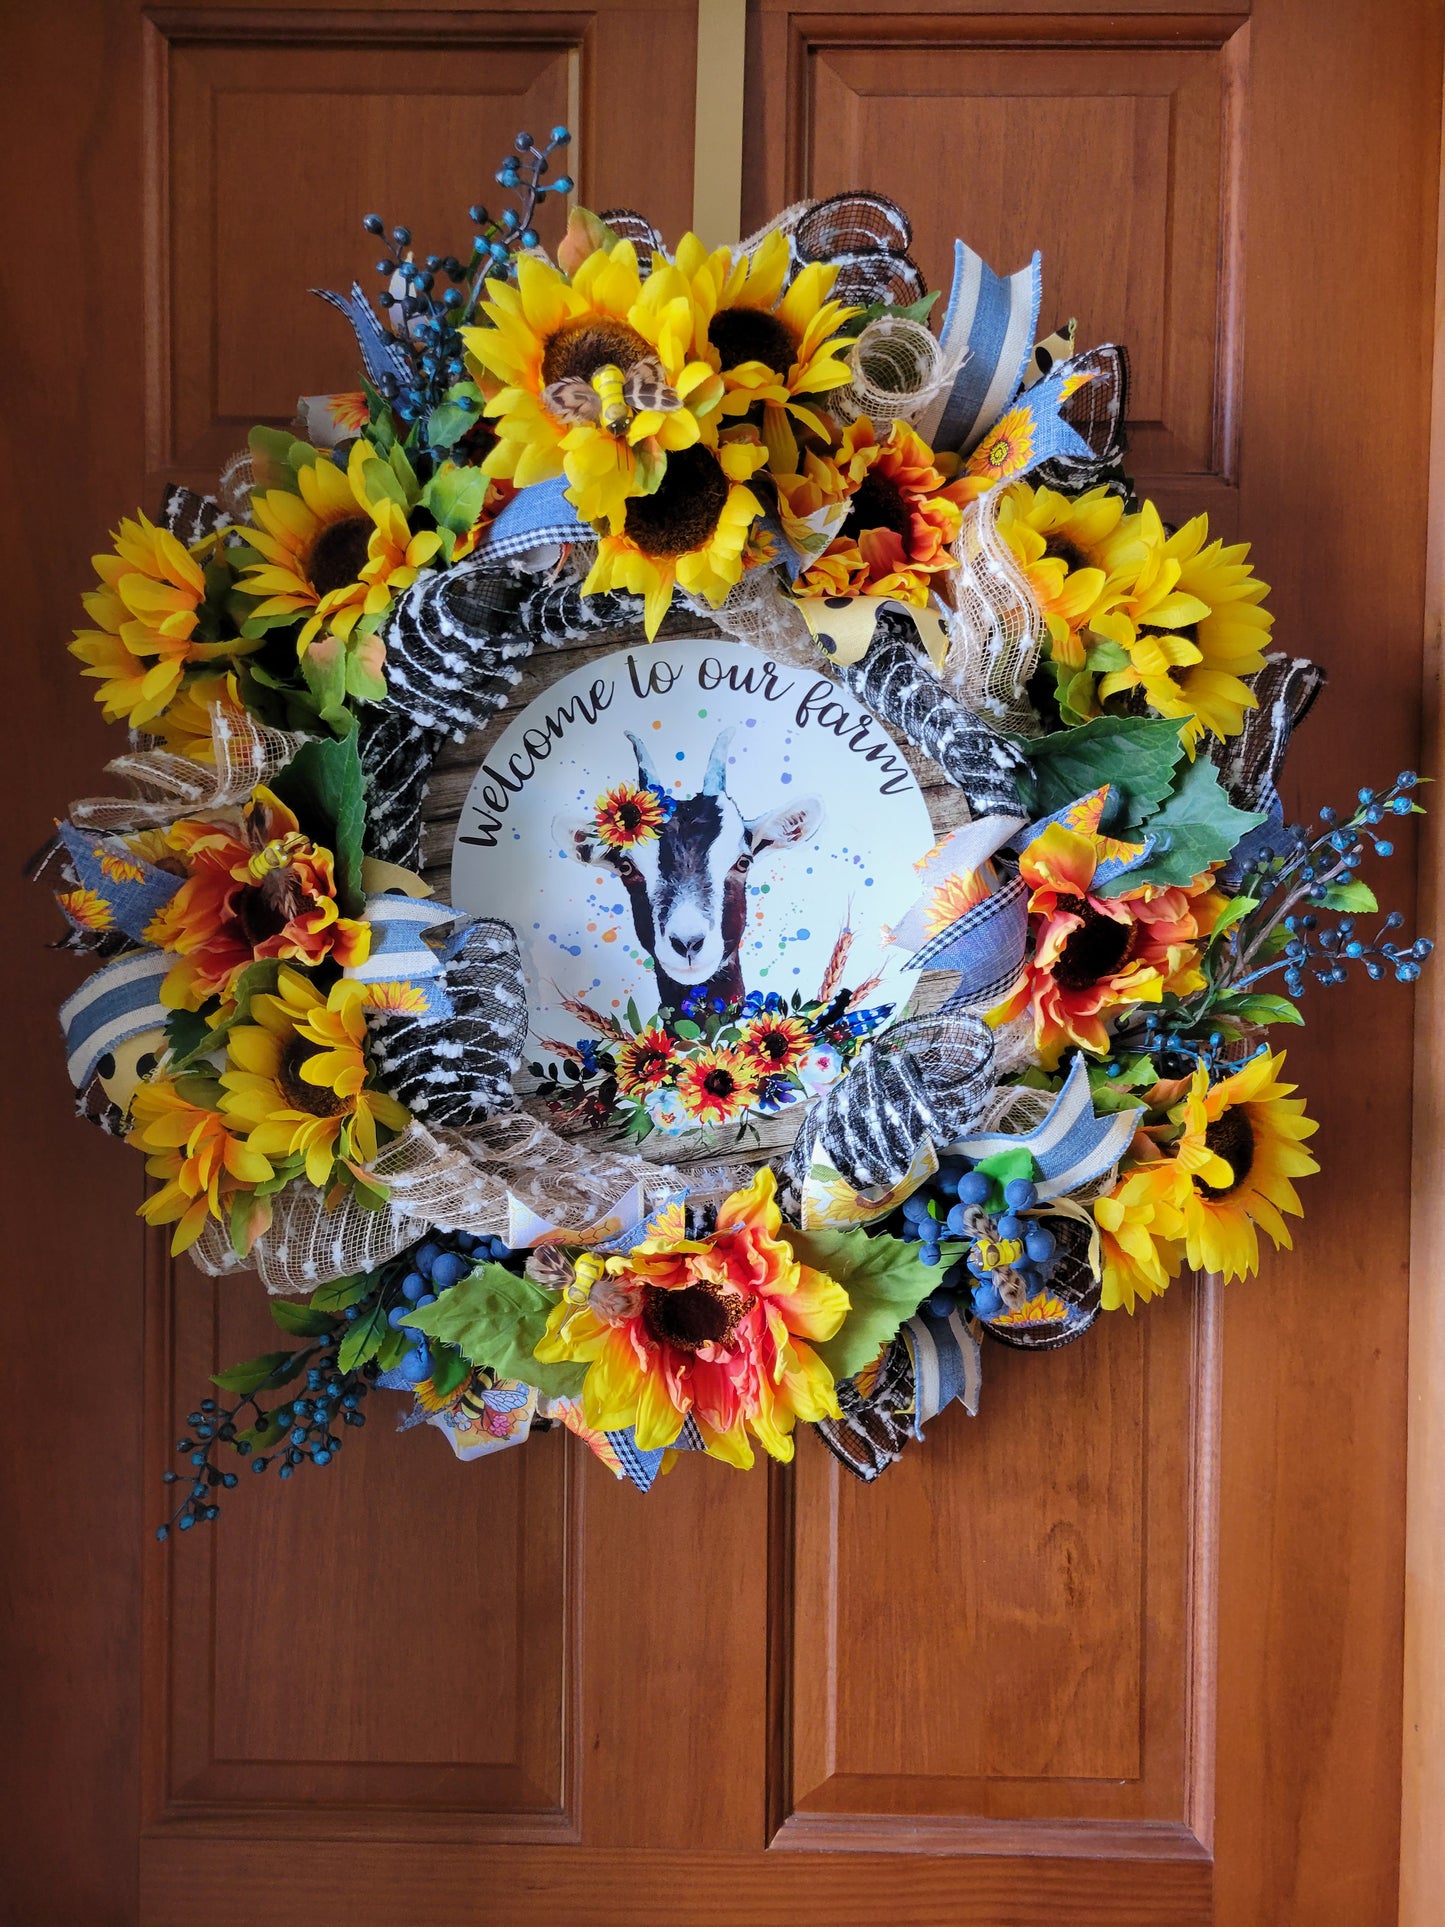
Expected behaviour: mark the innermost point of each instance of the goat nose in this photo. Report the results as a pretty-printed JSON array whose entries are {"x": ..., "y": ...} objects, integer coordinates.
[{"x": 687, "y": 947}]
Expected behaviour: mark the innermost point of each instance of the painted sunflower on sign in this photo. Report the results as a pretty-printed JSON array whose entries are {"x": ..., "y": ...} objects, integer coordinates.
[
  {"x": 716, "y": 1085},
  {"x": 720, "y": 1329}
]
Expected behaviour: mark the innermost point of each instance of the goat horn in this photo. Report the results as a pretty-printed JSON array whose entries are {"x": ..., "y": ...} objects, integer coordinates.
[
  {"x": 644, "y": 768},
  {"x": 715, "y": 782}
]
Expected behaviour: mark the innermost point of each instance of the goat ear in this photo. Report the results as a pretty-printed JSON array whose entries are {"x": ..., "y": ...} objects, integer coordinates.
[
  {"x": 576, "y": 836},
  {"x": 789, "y": 823}
]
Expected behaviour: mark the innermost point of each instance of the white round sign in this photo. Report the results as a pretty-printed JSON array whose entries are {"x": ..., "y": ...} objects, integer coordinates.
[{"x": 692, "y": 830}]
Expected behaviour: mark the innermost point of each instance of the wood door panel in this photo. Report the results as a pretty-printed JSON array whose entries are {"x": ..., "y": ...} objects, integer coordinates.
[
  {"x": 294, "y": 1651},
  {"x": 1050, "y": 1670},
  {"x": 1116, "y": 148}
]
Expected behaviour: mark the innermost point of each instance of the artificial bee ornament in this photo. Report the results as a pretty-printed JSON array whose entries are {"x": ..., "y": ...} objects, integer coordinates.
[{"x": 613, "y": 397}]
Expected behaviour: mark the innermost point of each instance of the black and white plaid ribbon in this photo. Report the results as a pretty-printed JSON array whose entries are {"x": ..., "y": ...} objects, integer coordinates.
[
  {"x": 927, "y": 1077},
  {"x": 459, "y": 1071}
]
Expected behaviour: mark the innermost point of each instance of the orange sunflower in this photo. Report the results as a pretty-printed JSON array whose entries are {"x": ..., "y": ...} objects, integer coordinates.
[
  {"x": 629, "y": 814},
  {"x": 1093, "y": 955},
  {"x": 902, "y": 515},
  {"x": 716, "y": 1327},
  {"x": 646, "y": 1061},
  {"x": 264, "y": 890},
  {"x": 775, "y": 1043},
  {"x": 717, "y": 1085}
]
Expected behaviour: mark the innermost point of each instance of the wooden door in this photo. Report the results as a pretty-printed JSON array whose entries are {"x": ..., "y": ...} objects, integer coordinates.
[{"x": 1126, "y": 1649}]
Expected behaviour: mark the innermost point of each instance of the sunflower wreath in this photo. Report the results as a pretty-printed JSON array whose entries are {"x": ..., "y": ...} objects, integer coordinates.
[{"x": 691, "y": 1227}]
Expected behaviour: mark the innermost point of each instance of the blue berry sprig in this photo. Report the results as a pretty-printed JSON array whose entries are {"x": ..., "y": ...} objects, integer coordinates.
[
  {"x": 1005, "y": 1256},
  {"x": 428, "y": 303},
  {"x": 432, "y": 1268},
  {"x": 301, "y": 1426}
]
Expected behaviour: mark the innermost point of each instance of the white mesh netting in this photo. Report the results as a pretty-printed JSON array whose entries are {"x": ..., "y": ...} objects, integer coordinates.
[
  {"x": 166, "y": 787},
  {"x": 898, "y": 368},
  {"x": 994, "y": 624}
]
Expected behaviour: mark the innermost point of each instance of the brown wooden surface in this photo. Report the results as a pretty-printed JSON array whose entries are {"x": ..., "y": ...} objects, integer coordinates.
[{"x": 987, "y": 1690}]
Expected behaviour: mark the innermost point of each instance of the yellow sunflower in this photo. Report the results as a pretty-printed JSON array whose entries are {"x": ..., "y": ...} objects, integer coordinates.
[
  {"x": 547, "y": 330},
  {"x": 1240, "y": 1148},
  {"x": 1141, "y": 1227},
  {"x": 716, "y": 1085},
  {"x": 185, "y": 724},
  {"x": 1057, "y": 541},
  {"x": 338, "y": 549},
  {"x": 297, "y": 1078},
  {"x": 1191, "y": 624},
  {"x": 147, "y": 613},
  {"x": 1004, "y": 450},
  {"x": 691, "y": 530},
  {"x": 773, "y": 345},
  {"x": 201, "y": 1159}
]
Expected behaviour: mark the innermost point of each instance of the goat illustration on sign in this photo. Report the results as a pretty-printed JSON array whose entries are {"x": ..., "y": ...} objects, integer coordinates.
[
  {"x": 685, "y": 877},
  {"x": 698, "y": 849}
]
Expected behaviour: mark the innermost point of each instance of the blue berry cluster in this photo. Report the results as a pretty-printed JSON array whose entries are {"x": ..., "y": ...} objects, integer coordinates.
[
  {"x": 434, "y": 1267},
  {"x": 1006, "y": 1251},
  {"x": 302, "y": 1427},
  {"x": 425, "y": 314}
]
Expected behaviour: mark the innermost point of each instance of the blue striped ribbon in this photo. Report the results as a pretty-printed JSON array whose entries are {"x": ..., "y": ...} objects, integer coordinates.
[
  {"x": 994, "y": 318},
  {"x": 117, "y": 1002},
  {"x": 947, "y": 1365},
  {"x": 1072, "y": 1146},
  {"x": 400, "y": 952}
]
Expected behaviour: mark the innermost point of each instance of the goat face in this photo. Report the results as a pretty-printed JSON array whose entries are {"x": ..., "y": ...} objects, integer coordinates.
[{"x": 687, "y": 887}]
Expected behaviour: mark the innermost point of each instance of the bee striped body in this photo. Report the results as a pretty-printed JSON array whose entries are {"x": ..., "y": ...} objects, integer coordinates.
[{"x": 613, "y": 397}]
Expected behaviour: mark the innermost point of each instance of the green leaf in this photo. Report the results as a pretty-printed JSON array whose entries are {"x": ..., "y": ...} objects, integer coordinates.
[
  {"x": 449, "y": 1369},
  {"x": 302, "y": 1321},
  {"x": 1197, "y": 826},
  {"x": 252, "y": 1374},
  {"x": 341, "y": 1293},
  {"x": 687, "y": 1030},
  {"x": 186, "y": 1031},
  {"x": 254, "y": 981},
  {"x": 1137, "y": 754},
  {"x": 885, "y": 1284},
  {"x": 324, "y": 786},
  {"x": 267, "y": 1431},
  {"x": 363, "y": 1339},
  {"x": 1105, "y": 656},
  {"x": 325, "y": 673},
  {"x": 1235, "y": 911},
  {"x": 1355, "y": 896},
  {"x": 495, "y": 1319},
  {"x": 1004, "y": 1166},
  {"x": 390, "y": 1351},
  {"x": 1259, "y": 1008},
  {"x": 911, "y": 311}
]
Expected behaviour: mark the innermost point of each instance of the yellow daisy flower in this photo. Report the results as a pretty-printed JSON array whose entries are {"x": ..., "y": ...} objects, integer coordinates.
[
  {"x": 1004, "y": 450},
  {"x": 337, "y": 550},
  {"x": 1190, "y": 623},
  {"x": 297, "y": 1078},
  {"x": 1141, "y": 1230},
  {"x": 1240, "y": 1148},
  {"x": 546, "y": 330},
  {"x": 202, "y": 1161},
  {"x": 691, "y": 530},
  {"x": 774, "y": 345},
  {"x": 1057, "y": 541},
  {"x": 147, "y": 612}
]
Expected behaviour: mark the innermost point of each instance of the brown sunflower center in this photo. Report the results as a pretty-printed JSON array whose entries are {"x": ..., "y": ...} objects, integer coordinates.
[
  {"x": 1230, "y": 1137},
  {"x": 693, "y": 1316},
  {"x": 339, "y": 554},
  {"x": 878, "y": 503},
  {"x": 580, "y": 348},
  {"x": 1098, "y": 948},
  {"x": 752, "y": 334},
  {"x": 684, "y": 510},
  {"x": 314, "y": 1099},
  {"x": 1065, "y": 551},
  {"x": 263, "y": 910},
  {"x": 720, "y": 1083},
  {"x": 774, "y": 1045}
]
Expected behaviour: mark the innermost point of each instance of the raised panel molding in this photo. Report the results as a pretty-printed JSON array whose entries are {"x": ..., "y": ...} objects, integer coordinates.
[
  {"x": 292, "y": 126},
  {"x": 1088, "y": 1724},
  {"x": 1113, "y": 143},
  {"x": 391, "y": 1641}
]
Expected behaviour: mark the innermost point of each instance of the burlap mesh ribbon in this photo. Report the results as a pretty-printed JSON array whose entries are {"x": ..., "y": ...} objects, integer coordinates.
[
  {"x": 166, "y": 787},
  {"x": 994, "y": 623}
]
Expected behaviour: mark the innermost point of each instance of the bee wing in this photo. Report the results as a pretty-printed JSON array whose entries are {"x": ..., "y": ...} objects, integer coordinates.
[
  {"x": 646, "y": 387},
  {"x": 572, "y": 399}
]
